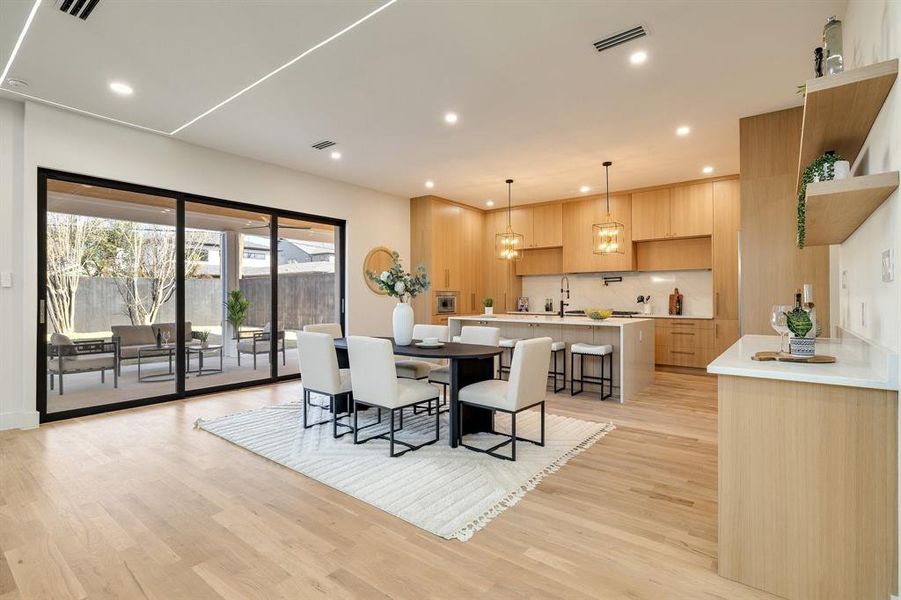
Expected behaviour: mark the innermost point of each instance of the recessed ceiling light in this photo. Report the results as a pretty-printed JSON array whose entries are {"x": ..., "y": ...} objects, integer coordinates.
[
  {"x": 707, "y": 169},
  {"x": 16, "y": 83},
  {"x": 638, "y": 57},
  {"x": 450, "y": 117},
  {"x": 430, "y": 184},
  {"x": 584, "y": 189},
  {"x": 489, "y": 203},
  {"x": 683, "y": 130},
  {"x": 336, "y": 155},
  {"x": 123, "y": 89}
]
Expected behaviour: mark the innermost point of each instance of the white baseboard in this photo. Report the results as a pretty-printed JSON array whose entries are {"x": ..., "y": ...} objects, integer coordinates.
[{"x": 19, "y": 420}]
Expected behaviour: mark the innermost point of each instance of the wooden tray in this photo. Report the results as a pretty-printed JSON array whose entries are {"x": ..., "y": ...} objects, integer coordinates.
[{"x": 783, "y": 357}]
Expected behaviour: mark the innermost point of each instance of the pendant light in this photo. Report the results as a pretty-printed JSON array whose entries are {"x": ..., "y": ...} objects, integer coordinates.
[
  {"x": 608, "y": 237},
  {"x": 508, "y": 245}
]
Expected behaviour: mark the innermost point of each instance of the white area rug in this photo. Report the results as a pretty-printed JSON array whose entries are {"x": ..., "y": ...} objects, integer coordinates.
[{"x": 449, "y": 492}]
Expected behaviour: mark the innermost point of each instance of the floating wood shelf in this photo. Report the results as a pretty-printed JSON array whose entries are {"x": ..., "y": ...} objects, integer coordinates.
[
  {"x": 839, "y": 110},
  {"x": 835, "y": 209}
]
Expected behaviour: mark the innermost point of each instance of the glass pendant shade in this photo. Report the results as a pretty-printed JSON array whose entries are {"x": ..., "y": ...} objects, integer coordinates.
[
  {"x": 509, "y": 244},
  {"x": 608, "y": 237}
]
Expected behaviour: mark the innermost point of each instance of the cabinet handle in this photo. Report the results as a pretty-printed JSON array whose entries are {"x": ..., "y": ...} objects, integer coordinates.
[
  {"x": 716, "y": 304},
  {"x": 683, "y": 324},
  {"x": 716, "y": 330},
  {"x": 682, "y": 332},
  {"x": 472, "y": 301},
  {"x": 682, "y": 352}
]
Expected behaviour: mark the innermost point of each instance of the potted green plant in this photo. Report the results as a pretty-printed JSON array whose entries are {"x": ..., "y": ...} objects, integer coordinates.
[
  {"x": 236, "y": 308},
  {"x": 488, "y": 303},
  {"x": 799, "y": 325},
  {"x": 204, "y": 337}
]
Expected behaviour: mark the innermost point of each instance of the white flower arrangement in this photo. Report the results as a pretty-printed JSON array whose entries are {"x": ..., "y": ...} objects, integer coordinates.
[{"x": 399, "y": 283}]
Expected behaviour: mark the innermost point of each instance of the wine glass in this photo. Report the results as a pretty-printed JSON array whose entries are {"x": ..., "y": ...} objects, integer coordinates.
[
  {"x": 779, "y": 323},
  {"x": 165, "y": 336}
]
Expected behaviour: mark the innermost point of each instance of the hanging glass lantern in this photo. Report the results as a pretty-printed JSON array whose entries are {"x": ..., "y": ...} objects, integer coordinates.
[
  {"x": 508, "y": 245},
  {"x": 608, "y": 237}
]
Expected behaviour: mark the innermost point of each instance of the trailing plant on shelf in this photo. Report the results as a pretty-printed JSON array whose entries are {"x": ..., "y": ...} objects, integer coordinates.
[
  {"x": 822, "y": 169},
  {"x": 236, "y": 309},
  {"x": 399, "y": 283}
]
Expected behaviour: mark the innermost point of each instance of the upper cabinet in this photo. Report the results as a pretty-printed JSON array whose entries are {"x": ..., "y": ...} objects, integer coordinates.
[
  {"x": 540, "y": 226},
  {"x": 651, "y": 215},
  {"x": 678, "y": 212},
  {"x": 578, "y": 217}
]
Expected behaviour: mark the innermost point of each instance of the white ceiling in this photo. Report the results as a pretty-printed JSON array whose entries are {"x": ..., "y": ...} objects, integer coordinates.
[{"x": 536, "y": 102}]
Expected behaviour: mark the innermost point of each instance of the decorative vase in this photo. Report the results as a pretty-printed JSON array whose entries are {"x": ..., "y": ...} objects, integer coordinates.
[
  {"x": 489, "y": 310},
  {"x": 204, "y": 344},
  {"x": 804, "y": 347},
  {"x": 403, "y": 324}
]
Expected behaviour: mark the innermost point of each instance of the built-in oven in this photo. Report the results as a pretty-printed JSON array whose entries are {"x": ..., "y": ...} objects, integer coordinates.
[{"x": 445, "y": 304}]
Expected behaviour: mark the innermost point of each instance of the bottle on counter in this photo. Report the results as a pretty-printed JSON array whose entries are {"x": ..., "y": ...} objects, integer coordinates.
[
  {"x": 808, "y": 305},
  {"x": 818, "y": 62}
]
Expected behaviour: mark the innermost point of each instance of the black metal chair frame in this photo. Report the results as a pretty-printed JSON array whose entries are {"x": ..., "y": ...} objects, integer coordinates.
[
  {"x": 511, "y": 437},
  {"x": 262, "y": 336},
  {"x": 335, "y": 417},
  {"x": 556, "y": 372},
  {"x": 84, "y": 348},
  {"x": 389, "y": 435},
  {"x": 583, "y": 379}
]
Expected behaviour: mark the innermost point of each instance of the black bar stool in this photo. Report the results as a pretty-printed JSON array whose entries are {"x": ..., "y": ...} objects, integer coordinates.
[
  {"x": 556, "y": 349},
  {"x": 605, "y": 353}
]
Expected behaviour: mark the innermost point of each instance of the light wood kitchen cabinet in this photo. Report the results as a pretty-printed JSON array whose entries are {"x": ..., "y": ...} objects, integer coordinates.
[
  {"x": 726, "y": 220},
  {"x": 522, "y": 220},
  {"x": 448, "y": 239},
  {"x": 578, "y": 217},
  {"x": 691, "y": 210},
  {"x": 499, "y": 277},
  {"x": 547, "y": 225},
  {"x": 684, "y": 342},
  {"x": 540, "y": 261},
  {"x": 673, "y": 255},
  {"x": 725, "y": 333},
  {"x": 682, "y": 211},
  {"x": 651, "y": 215}
]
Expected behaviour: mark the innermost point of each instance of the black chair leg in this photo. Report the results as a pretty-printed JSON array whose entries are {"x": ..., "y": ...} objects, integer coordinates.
[{"x": 51, "y": 381}]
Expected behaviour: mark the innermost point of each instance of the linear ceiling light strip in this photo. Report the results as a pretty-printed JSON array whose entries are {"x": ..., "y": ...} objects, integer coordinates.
[
  {"x": 286, "y": 65},
  {"x": 12, "y": 57}
]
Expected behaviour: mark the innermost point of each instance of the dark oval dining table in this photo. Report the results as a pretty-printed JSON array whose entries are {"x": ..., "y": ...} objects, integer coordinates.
[{"x": 468, "y": 363}]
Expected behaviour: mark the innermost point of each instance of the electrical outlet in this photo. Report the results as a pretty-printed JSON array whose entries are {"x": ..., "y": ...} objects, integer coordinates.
[
  {"x": 844, "y": 280},
  {"x": 888, "y": 265}
]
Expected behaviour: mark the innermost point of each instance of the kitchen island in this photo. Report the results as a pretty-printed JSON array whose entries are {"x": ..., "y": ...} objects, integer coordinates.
[
  {"x": 808, "y": 470},
  {"x": 632, "y": 340}
]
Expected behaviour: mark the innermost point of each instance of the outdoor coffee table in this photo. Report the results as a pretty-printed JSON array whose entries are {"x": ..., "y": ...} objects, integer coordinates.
[
  {"x": 200, "y": 352},
  {"x": 167, "y": 350}
]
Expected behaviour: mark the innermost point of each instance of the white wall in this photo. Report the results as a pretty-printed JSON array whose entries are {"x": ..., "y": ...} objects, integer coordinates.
[
  {"x": 69, "y": 142},
  {"x": 872, "y": 33},
  {"x": 589, "y": 291}
]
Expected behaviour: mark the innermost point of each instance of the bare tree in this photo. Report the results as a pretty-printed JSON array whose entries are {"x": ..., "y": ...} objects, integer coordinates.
[
  {"x": 69, "y": 242},
  {"x": 145, "y": 266}
]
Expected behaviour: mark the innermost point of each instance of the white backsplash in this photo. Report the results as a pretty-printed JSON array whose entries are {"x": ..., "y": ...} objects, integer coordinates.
[{"x": 696, "y": 288}]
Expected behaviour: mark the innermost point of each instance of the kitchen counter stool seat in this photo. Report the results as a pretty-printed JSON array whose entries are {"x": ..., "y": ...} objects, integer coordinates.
[{"x": 605, "y": 352}]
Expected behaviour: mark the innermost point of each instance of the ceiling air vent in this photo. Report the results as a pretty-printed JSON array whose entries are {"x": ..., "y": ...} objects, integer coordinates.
[
  {"x": 78, "y": 8},
  {"x": 323, "y": 144},
  {"x": 620, "y": 38}
]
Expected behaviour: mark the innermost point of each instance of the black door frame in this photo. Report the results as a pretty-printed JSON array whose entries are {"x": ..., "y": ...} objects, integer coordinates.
[{"x": 180, "y": 198}]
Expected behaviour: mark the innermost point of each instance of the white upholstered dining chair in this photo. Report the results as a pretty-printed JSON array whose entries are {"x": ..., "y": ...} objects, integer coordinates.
[
  {"x": 420, "y": 368},
  {"x": 525, "y": 389},
  {"x": 333, "y": 329},
  {"x": 320, "y": 374},
  {"x": 376, "y": 385},
  {"x": 469, "y": 334}
]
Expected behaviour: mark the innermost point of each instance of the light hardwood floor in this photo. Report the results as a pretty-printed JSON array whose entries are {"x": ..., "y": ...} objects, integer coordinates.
[{"x": 138, "y": 504}]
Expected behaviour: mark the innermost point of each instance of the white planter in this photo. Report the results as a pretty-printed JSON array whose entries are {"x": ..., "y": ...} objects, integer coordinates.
[
  {"x": 403, "y": 324},
  {"x": 802, "y": 347},
  {"x": 489, "y": 310}
]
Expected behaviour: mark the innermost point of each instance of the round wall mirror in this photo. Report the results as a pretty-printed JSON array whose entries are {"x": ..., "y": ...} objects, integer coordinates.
[{"x": 379, "y": 259}]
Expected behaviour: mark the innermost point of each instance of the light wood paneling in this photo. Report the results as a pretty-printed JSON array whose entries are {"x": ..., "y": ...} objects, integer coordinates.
[
  {"x": 651, "y": 215},
  {"x": 835, "y": 209},
  {"x": 808, "y": 480},
  {"x": 540, "y": 261},
  {"x": 674, "y": 255},
  {"x": 684, "y": 342},
  {"x": 500, "y": 281},
  {"x": 691, "y": 210},
  {"x": 726, "y": 223},
  {"x": 772, "y": 267},
  {"x": 523, "y": 223},
  {"x": 472, "y": 276},
  {"x": 578, "y": 217},
  {"x": 725, "y": 333},
  {"x": 547, "y": 225}
]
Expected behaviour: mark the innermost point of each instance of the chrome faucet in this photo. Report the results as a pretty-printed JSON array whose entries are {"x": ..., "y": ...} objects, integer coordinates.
[{"x": 564, "y": 289}]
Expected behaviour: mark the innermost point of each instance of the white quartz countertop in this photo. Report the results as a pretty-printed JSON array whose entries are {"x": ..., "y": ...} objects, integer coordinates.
[
  {"x": 553, "y": 319},
  {"x": 858, "y": 364},
  {"x": 639, "y": 316}
]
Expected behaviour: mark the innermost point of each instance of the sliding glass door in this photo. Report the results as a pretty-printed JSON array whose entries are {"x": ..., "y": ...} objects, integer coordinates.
[{"x": 147, "y": 295}]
